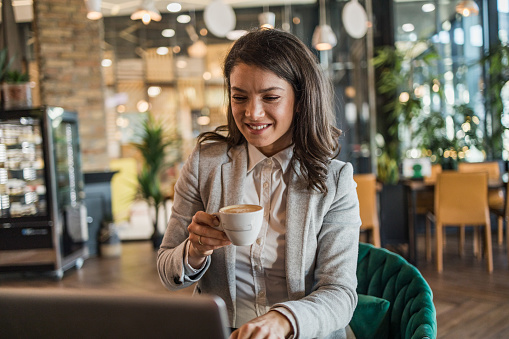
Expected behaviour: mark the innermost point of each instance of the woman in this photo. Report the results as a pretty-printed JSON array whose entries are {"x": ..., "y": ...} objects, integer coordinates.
[{"x": 276, "y": 151}]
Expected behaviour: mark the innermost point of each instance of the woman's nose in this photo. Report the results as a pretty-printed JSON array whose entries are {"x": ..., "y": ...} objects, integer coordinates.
[{"x": 255, "y": 110}]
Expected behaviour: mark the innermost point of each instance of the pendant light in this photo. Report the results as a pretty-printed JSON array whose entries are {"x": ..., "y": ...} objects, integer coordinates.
[
  {"x": 93, "y": 9},
  {"x": 467, "y": 8},
  {"x": 147, "y": 12},
  {"x": 323, "y": 36},
  {"x": 355, "y": 19},
  {"x": 267, "y": 19}
]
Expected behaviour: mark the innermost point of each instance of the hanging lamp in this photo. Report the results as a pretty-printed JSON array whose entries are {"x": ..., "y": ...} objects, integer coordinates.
[
  {"x": 267, "y": 19},
  {"x": 467, "y": 8},
  {"x": 323, "y": 36},
  {"x": 93, "y": 9},
  {"x": 147, "y": 12}
]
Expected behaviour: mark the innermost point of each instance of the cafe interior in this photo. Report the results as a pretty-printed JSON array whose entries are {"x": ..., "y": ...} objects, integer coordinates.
[{"x": 102, "y": 100}]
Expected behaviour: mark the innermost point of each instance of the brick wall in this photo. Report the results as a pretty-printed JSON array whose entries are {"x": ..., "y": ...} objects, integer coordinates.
[{"x": 68, "y": 51}]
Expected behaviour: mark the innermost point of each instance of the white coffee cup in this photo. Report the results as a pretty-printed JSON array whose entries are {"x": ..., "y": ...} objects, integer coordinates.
[{"x": 241, "y": 223}]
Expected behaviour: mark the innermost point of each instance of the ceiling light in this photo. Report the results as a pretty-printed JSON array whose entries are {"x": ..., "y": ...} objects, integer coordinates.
[
  {"x": 183, "y": 18},
  {"x": 407, "y": 27},
  {"x": 106, "y": 62},
  {"x": 426, "y": 8},
  {"x": 174, "y": 7},
  {"x": 467, "y": 8},
  {"x": 235, "y": 34},
  {"x": 147, "y": 12},
  {"x": 94, "y": 9},
  {"x": 181, "y": 64},
  {"x": 162, "y": 50},
  {"x": 168, "y": 33},
  {"x": 203, "y": 120},
  {"x": 219, "y": 18},
  {"x": 154, "y": 91},
  {"x": 115, "y": 9},
  {"x": 197, "y": 50},
  {"x": 267, "y": 19},
  {"x": 142, "y": 106},
  {"x": 323, "y": 36}
]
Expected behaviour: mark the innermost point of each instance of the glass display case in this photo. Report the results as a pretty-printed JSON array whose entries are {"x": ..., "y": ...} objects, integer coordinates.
[{"x": 43, "y": 218}]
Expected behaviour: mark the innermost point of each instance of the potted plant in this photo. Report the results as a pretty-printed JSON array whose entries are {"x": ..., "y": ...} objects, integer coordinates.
[
  {"x": 154, "y": 146},
  {"x": 16, "y": 90}
]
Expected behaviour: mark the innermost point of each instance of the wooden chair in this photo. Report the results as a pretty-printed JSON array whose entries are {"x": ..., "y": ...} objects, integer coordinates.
[
  {"x": 366, "y": 191},
  {"x": 462, "y": 199},
  {"x": 496, "y": 198}
]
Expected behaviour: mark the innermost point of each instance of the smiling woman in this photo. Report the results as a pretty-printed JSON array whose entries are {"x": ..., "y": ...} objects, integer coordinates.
[{"x": 277, "y": 153}]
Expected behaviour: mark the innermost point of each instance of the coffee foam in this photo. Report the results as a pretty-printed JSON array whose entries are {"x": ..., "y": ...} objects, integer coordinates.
[{"x": 241, "y": 209}]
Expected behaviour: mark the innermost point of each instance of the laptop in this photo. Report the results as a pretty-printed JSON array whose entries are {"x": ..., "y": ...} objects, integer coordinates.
[{"x": 42, "y": 313}]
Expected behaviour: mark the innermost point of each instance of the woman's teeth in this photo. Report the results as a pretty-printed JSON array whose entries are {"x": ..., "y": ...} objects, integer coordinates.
[{"x": 258, "y": 127}]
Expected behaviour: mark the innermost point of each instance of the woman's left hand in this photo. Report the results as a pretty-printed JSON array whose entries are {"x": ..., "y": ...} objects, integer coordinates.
[{"x": 270, "y": 325}]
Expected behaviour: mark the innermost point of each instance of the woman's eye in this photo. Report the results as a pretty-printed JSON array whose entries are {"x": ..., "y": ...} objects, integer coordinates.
[
  {"x": 238, "y": 98},
  {"x": 271, "y": 98}
]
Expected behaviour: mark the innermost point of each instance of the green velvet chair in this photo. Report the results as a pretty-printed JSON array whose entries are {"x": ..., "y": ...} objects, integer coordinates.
[{"x": 394, "y": 299}]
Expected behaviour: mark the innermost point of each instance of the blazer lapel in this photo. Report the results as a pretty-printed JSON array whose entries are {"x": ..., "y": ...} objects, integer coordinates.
[
  {"x": 298, "y": 202},
  {"x": 233, "y": 175}
]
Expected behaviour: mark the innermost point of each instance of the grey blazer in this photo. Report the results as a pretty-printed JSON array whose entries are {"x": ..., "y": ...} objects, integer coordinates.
[{"x": 322, "y": 239}]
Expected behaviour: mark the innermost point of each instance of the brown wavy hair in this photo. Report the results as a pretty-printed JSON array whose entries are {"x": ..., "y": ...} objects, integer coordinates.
[{"x": 315, "y": 136}]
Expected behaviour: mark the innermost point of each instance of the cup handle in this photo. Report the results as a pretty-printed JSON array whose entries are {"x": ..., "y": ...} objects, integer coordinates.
[{"x": 219, "y": 227}]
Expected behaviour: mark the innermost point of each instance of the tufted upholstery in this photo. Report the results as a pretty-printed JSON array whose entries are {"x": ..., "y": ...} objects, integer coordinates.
[{"x": 386, "y": 275}]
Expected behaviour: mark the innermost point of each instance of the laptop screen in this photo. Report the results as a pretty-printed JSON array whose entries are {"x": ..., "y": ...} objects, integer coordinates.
[{"x": 30, "y": 313}]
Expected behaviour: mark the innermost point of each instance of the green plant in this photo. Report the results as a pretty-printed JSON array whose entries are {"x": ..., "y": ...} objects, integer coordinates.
[
  {"x": 16, "y": 77},
  {"x": 496, "y": 62},
  {"x": 388, "y": 169},
  {"x": 153, "y": 146},
  {"x": 5, "y": 63},
  {"x": 402, "y": 106}
]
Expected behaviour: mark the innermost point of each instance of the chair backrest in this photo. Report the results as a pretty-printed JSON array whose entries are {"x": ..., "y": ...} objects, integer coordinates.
[
  {"x": 366, "y": 191},
  {"x": 490, "y": 167},
  {"x": 462, "y": 198},
  {"x": 384, "y": 274},
  {"x": 436, "y": 169}
]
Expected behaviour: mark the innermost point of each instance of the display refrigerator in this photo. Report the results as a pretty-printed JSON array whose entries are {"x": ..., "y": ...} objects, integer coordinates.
[{"x": 43, "y": 217}]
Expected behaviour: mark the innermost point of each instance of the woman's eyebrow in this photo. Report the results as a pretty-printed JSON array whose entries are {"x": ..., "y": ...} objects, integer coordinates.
[{"x": 274, "y": 88}]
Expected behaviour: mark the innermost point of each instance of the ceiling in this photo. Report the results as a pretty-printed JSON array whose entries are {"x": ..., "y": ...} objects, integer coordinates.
[{"x": 23, "y": 8}]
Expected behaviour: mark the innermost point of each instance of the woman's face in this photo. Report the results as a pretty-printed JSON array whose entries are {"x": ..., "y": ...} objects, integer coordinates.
[{"x": 263, "y": 108}]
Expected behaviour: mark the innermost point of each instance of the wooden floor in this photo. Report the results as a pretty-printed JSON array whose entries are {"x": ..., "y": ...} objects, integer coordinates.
[{"x": 470, "y": 302}]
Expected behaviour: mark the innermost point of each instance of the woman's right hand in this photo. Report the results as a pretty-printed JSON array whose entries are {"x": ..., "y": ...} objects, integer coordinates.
[{"x": 204, "y": 238}]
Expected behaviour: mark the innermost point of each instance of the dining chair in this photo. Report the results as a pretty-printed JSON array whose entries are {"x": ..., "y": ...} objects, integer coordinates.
[
  {"x": 366, "y": 191},
  {"x": 496, "y": 197},
  {"x": 461, "y": 199}
]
